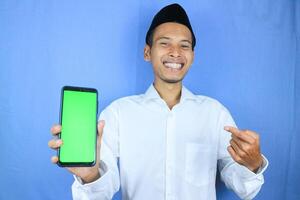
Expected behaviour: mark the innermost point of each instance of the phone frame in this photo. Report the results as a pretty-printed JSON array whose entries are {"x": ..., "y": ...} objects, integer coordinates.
[{"x": 77, "y": 164}]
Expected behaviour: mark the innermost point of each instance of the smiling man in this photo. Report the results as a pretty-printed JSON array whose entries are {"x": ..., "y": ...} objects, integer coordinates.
[{"x": 169, "y": 142}]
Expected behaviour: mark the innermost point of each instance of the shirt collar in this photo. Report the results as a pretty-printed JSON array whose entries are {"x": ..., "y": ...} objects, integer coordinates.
[{"x": 152, "y": 93}]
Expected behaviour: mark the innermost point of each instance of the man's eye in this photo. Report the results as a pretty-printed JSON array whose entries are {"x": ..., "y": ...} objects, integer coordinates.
[
  {"x": 164, "y": 43},
  {"x": 185, "y": 46}
]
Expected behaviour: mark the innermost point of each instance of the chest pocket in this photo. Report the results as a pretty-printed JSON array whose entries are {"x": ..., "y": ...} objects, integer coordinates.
[{"x": 200, "y": 164}]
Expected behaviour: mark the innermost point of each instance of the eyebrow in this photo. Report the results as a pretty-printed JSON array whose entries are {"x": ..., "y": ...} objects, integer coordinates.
[
  {"x": 186, "y": 41},
  {"x": 167, "y": 38},
  {"x": 163, "y": 37}
]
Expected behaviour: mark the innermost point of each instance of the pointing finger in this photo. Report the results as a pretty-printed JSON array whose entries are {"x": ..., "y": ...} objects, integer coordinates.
[
  {"x": 232, "y": 130},
  {"x": 243, "y": 135}
]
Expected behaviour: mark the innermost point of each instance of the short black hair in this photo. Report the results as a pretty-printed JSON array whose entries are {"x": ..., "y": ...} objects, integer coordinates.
[{"x": 171, "y": 13}]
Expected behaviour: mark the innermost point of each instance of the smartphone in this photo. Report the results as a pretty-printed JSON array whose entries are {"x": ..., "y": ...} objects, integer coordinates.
[{"x": 78, "y": 118}]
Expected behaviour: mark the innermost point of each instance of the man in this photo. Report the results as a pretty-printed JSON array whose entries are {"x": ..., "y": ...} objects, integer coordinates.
[{"x": 169, "y": 141}]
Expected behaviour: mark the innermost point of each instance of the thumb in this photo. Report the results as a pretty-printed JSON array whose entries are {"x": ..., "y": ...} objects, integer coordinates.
[{"x": 100, "y": 127}]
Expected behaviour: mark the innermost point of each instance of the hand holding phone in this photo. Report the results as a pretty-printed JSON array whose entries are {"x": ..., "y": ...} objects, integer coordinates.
[{"x": 87, "y": 174}]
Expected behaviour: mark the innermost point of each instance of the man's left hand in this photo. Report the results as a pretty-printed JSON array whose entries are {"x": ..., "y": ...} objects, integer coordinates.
[{"x": 244, "y": 148}]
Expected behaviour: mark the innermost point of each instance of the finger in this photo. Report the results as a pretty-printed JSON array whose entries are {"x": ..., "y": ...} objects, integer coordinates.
[
  {"x": 54, "y": 159},
  {"x": 55, "y": 129},
  {"x": 54, "y": 144},
  {"x": 101, "y": 124},
  {"x": 240, "y": 142},
  {"x": 234, "y": 144},
  {"x": 234, "y": 155},
  {"x": 232, "y": 130},
  {"x": 238, "y": 148},
  {"x": 243, "y": 135}
]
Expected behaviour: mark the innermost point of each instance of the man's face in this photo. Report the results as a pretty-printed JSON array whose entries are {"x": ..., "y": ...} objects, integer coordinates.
[{"x": 171, "y": 53}]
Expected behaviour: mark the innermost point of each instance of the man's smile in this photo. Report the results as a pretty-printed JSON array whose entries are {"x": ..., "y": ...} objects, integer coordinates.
[
  {"x": 178, "y": 65},
  {"x": 173, "y": 65}
]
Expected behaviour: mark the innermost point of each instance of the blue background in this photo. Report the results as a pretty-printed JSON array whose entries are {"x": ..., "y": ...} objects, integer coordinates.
[{"x": 247, "y": 57}]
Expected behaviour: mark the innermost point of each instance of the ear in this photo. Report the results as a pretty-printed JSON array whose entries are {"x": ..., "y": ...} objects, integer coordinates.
[{"x": 147, "y": 52}]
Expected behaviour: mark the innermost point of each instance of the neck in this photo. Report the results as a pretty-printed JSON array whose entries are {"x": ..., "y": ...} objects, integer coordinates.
[{"x": 169, "y": 92}]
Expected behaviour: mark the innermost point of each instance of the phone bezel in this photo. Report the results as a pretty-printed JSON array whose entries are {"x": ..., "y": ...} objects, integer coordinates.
[{"x": 81, "y": 89}]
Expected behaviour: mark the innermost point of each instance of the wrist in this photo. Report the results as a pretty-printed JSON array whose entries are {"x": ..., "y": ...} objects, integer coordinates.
[
  {"x": 91, "y": 177},
  {"x": 256, "y": 167}
]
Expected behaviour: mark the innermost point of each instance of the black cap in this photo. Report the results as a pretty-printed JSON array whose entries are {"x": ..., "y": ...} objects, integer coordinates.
[{"x": 171, "y": 13}]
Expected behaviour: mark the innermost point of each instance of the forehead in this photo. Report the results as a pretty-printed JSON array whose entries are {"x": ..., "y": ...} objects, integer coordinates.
[{"x": 172, "y": 30}]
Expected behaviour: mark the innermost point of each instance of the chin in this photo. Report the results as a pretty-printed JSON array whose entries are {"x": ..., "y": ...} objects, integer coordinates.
[{"x": 172, "y": 80}]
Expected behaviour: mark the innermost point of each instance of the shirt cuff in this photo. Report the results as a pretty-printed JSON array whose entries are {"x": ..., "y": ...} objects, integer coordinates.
[
  {"x": 264, "y": 165},
  {"x": 247, "y": 174}
]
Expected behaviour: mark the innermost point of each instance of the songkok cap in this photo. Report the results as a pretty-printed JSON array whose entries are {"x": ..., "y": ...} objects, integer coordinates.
[{"x": 170, "y": 13}]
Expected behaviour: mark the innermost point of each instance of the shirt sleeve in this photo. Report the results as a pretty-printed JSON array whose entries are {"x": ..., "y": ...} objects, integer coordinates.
[
  {"x": 239, "y": 178},
  {"x": 109, "y": 183}
]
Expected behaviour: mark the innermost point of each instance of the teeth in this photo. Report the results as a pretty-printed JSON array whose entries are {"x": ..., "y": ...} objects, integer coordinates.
[{"x": 173, "y": 65}]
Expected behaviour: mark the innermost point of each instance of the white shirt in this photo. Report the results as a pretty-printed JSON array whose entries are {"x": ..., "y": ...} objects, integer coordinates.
[{"x": 167, "y": 154}]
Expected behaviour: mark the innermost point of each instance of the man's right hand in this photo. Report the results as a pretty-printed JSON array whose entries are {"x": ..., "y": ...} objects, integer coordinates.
[{"x": 87, "y": 174}]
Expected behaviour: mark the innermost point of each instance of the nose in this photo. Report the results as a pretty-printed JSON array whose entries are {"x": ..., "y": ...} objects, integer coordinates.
[{"x": 175, "y": 51}]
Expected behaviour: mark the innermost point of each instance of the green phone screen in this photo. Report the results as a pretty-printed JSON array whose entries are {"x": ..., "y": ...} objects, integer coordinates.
[{"x": 79, "y": 127}]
